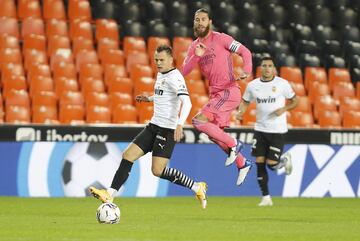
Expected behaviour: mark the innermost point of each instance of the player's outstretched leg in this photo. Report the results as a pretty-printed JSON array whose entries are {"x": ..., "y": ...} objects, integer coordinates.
[
  {"x": 266, "y": 201},
  {"x": 101, "y": 194},
  {"x": 233, "y": 153},
  {"x": 201, "y": 194},
  {"x": 286, "y": 158},
  {"x": 243, "y": 170}
]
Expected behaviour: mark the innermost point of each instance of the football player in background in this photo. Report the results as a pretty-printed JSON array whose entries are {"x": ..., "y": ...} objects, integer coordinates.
[{"x": 270, "y": 93}]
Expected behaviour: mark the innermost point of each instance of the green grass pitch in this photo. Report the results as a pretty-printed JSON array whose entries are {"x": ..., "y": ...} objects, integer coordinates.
[{"x": 181, "y": 218}]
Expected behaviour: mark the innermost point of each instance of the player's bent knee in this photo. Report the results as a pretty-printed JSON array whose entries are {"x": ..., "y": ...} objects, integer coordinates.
[{"x": 157, "y": 171}]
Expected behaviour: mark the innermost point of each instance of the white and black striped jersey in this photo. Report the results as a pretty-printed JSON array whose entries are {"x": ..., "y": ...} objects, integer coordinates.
[
  {"x": 168, "y": 86},
  {"x": 269, "y": 96}
]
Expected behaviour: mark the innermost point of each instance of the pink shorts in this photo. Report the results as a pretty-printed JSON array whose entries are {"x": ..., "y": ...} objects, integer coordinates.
[{"x": 221, "y": 105}]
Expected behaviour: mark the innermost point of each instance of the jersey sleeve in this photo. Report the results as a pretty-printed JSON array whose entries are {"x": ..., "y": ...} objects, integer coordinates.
[
  {"x": 229, "y": 43},
  {"x": 248, "y": 96},
  {"x": 288, "y": 90},
  {"x": 179, "y": 84},
  {"x": 190, "y": 61}
]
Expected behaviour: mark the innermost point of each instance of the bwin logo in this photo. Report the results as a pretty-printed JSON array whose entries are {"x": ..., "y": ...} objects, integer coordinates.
[{"x": 266, "y": 100}]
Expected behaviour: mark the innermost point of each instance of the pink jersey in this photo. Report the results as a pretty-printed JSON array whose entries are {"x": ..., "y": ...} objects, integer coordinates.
[{"x": 216, "y": 63}]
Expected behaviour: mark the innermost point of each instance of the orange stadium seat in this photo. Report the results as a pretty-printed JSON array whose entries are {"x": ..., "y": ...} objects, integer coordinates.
[
  {"x": 61, "y": 56},
  {"x": 358, "y": 89},
  {"x": 56, "y": 42},
  {"x": 34, "y": 41},
  {"x": 124, "y": 114},
  {"x": 145, "y": 114},
  {"x": 94, "y": 71},
  {"x": 17, "y": 115},
  {"x": 45, "y": 98},
  {"x": 292, "y": 74},
  {"x": 107, "y": 28},
  {"x": 71, "y": 98},
  {"x": 10, "y": 56},
  {"x": 32, "y": 26},
  {"x": 131, "y": 44},
  {"x": 144, "y": 85},
  {"x": 39, "y": 70},
  {"x": 29, "y": 8},
  {"x": 81, "y": 29},
  {"x": 139, "y": 70},
  {"x": 71, "y": 114},
  {"x": 301, "y": 119},
  {"x": 343, "y": 89},
  {"x": 56, "y": 27},
  {"x": 153, "y": 42},
  {"x": 237, "y": 61},
  {"x": 104, "y": 45},
  {"x": 314, "y": 74},
  {"x": 351, "y": 119},
  {"x": 318, "y": 89},
  {"x": 120, "y": 84},
  {"x": 86, "y": 57},
  {"x": 8, "y": 9},
  {"x": 323, "y": 103},
  {"x": 15, "y": 82},
  {"x": 113, "y": 56},
  {"x": 298, "y": 88},
  {"x": 41, "y": 83},
  {"x": 10, "y": 69},
  {"x": 80, "y": 43},
  {"x": 119, "y": 98},
  {"x": 338, "y": 75},
  {"x": 65, "y": 84},
  {"x": 348, "y": 103},
  {"x": 329, "y": 119},
  {"x": 64, "y": 69},
  {"x": 98, "y": 99},
  {"x": 17, "y": 98},
  {"x": 113, "y": 72},
  {"x": 79, "y": 9},
  {"x": 43, "y": 114},
  {"x": 198, "y": 102},
  {"x": 136, "y": 57},
  {"x": 7, "y": 41},
  {"x": 196, "y": 87},
  {"x": 179, "y": 59},
  {"x": 181, "y": 44},
  {"x": 92, "y": 85},
  {"x": 33, "y": 57},
  {"x": 98, "y": 114},
  {"x": 9, "y": 26},
  {"x": 304, "y": 105},
  {"x": 54, "y": 9}
]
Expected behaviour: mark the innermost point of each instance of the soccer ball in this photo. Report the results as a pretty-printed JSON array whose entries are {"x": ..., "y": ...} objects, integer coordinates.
[
  {"x": 89, "y": 164},
  {"x": 108, "y": 213}
]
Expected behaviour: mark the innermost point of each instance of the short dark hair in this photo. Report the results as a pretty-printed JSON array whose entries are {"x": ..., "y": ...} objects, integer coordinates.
[
  {"x": 166, "y": 48},
  {"x": 203, "y": 10},
  {"x": 266, "y": 58}
]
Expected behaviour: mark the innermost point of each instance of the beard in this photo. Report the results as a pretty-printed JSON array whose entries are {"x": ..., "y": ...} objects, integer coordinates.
[{"x": 200, "y": 34}]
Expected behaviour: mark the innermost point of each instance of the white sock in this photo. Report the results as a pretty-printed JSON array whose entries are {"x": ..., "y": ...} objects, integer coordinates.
[
  {"x": 195, "y": 187},
  {"x": 112, "y": 192}
]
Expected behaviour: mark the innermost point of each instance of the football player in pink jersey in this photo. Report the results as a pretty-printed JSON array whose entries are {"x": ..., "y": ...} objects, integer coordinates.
[{"x": 212, "y": 52}]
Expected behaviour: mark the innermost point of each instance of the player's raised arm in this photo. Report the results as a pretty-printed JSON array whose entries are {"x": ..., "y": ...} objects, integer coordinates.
[{"x": 190, "y": 61}]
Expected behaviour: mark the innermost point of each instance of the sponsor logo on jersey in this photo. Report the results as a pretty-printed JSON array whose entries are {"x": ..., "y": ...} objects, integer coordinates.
[{"x": 266, "y": 100}]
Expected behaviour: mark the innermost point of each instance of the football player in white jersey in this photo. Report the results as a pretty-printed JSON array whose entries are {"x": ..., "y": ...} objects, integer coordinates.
[
  {"x": 269, "y": 93},
  {"x": 161, "y": 134}
]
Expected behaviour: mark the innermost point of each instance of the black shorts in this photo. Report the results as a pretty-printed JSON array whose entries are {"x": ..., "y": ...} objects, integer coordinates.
[
  {"x": 269, "y": 145},
  {"x": 156, "y": 139}
]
